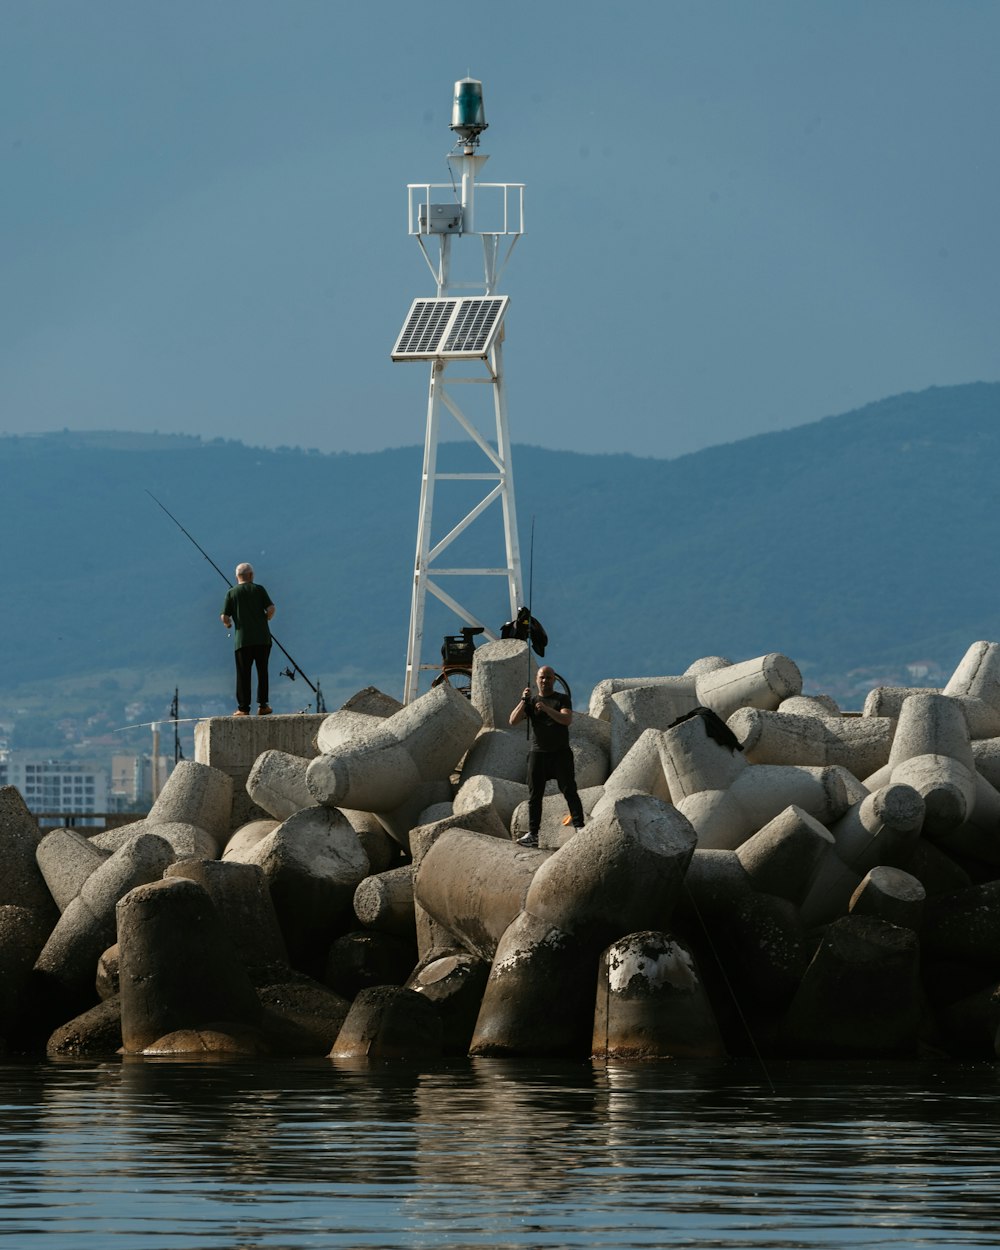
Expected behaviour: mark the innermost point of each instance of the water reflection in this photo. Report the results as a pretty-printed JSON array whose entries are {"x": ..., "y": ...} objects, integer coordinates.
[{"x": 175, "y": 1154}]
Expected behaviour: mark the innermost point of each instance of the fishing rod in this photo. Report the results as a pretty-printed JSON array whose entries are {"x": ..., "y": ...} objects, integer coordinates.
[
  {"x": 285, "y": 672},
  {"x": 531, "y": 591}
]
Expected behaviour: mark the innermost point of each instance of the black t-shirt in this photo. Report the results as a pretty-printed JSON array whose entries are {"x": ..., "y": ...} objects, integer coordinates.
[{"x": 547, "y": 734}]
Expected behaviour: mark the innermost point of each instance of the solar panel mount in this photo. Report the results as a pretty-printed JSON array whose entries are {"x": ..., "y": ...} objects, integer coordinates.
[{"x": 451, "y": 328}]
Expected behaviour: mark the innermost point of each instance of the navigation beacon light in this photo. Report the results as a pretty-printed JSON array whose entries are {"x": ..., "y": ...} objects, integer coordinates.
[{"x": 468, "y": 118}]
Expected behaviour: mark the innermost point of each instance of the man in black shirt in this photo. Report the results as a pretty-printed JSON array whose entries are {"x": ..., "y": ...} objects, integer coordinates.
[
  {"x": 549, "y": 714},
  {"x": 248, "y": 606}
]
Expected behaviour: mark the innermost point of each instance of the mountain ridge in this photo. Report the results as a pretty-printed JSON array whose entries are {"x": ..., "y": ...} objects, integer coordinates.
[{"x": 858, "y": 541}]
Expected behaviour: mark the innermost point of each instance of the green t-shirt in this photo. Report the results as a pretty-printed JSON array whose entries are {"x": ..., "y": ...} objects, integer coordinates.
[{"x": 247, "y": 604}]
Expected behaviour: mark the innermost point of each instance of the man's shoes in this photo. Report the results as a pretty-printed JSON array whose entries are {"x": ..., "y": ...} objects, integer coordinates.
[
  {"x": 264, "y": 710},
  {"x": 240, "y": 712},
  {"x": 529, "y": 839}
]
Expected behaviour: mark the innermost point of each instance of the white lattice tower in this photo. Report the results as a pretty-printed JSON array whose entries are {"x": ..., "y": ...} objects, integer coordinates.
[{"x": 453, "y": 330}]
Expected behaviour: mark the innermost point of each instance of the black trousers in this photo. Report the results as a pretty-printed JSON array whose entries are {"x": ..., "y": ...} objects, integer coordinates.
[
  {"x": 246, "y": 659},
  {"x": 556, "y": 766}
]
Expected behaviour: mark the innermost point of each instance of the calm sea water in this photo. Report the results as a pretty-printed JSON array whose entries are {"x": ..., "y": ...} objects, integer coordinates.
[{"x": 173, "y": 1155}]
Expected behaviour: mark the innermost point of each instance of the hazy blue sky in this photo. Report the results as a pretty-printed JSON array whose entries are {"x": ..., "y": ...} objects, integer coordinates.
[{"x": 741, "y": 215}]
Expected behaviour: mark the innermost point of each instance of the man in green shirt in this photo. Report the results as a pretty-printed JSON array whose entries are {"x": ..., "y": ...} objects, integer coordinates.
[{"x": 248, "y": 606}]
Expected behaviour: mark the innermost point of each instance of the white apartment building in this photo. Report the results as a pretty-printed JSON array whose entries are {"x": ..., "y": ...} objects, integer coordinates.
[{"x": 52, "y": 787}]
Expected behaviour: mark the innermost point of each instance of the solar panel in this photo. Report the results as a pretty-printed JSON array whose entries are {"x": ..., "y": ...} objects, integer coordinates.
[{"x": 450, "y": 328}]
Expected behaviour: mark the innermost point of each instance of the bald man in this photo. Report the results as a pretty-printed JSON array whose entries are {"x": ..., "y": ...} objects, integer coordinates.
[
  {"x": 249, "y": 607},
  {"x": 549, "y": 713}
]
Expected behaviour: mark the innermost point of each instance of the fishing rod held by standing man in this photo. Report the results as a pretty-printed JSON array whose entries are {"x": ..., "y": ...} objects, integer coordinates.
[{"x": 320, "y": 705}]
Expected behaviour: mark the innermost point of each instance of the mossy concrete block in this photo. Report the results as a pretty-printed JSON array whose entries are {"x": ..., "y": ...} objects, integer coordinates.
[{"x": 652, "y": 1002}]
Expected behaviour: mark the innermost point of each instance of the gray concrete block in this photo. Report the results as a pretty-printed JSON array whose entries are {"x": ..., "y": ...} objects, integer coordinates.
[
  {"x": 500, "y": 672},
  {"x": 859, "y": 744},
  {"x": 454, "y": 983},
  {"x": 652, "y": 1002},
  {"x": 66, "y": 859},
  {"x": 67, "y": 964},
  {"x": 385, "y": 902},
  {"x": 555, "y": 827},
  {"x": 782, "y": 857},
  {"x": 389, "y": 1022},
  {"x": 539, "y": 996},
  {"x": 821, "y": 705},
  {"x": 638, "y": 708},
  {"x": 931, "y": 724},
  {"x": 761, "y": 682},
  {"x": 498, "y": 753},
  {"x": 241, "y": 897},
  {"x": 313, "y": 862},
  {"x": 887, "y": 700},
  {"x": 195, "y": 794},
  {"x": 231, "y": 744},
  {"x": 617, "y": 875},
  {"x": 474, "y": 885},
  {"x": 497, "y": 792},
  {"x": 978, "y": 674},
  {"x": 178, "y": 967},
  {"x": 891, "y": 895},
  {"x": 246, "y": 837},
  {"x": 693, "y": 761},
  {"x": 861, "y": 994},
  {"x": 21, "y": 881},
  {"x": 277, "y": 784},
  {"x": 599, "y": 705},
  {"x": 372, "y": 702}
]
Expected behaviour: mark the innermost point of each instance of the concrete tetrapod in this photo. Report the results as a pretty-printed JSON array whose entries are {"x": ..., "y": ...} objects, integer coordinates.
[
  {"x": 454, "y": 983},
  {"x": 196, "y": 794},
  {"x": 723, "y": 819},
  {"x": 66, "y": 859},
  {"x": 277, "y": 784},
  {"x": 500, "y": 672},
  {"x": 385, "y": 902},
  {"x": 652, "y": 1003},
  {"x": 931, "y": 724},
  {"x": 892, "y": 895},
  {"x": 861, "y": 744},
  {"x": 501, "y": 753},
  {"x": 241, "y": 897},
  {"x": 389, "y": 1022},
  {"x": 639, "y": 708},
  {"x": 978, "y": 674},
  {"x": 762, "y": 682},
  {"x": 782, "y": 857},
  {"x": 620, "y": 874},
  {"x": 22, "y": 936},
  {"x": 313, "y": 862},
  {"x": 860, "y": 995},
  {"x": 432, "y": 936},
  {"x": 882, "y": 829},
  {"x": 66, "y": 968},
  {"x": 178, "y": 968},
  {"x": 21, "y": 881},
  {"x": 475, "y": 885},
  {"x": 682, "y": 687},
  {"x": 497, "y": 792},
  {"x": 382, "y": 771}
]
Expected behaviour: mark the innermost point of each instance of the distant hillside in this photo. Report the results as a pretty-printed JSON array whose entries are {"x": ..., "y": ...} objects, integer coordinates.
[{"x": 862, "y": 541}]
